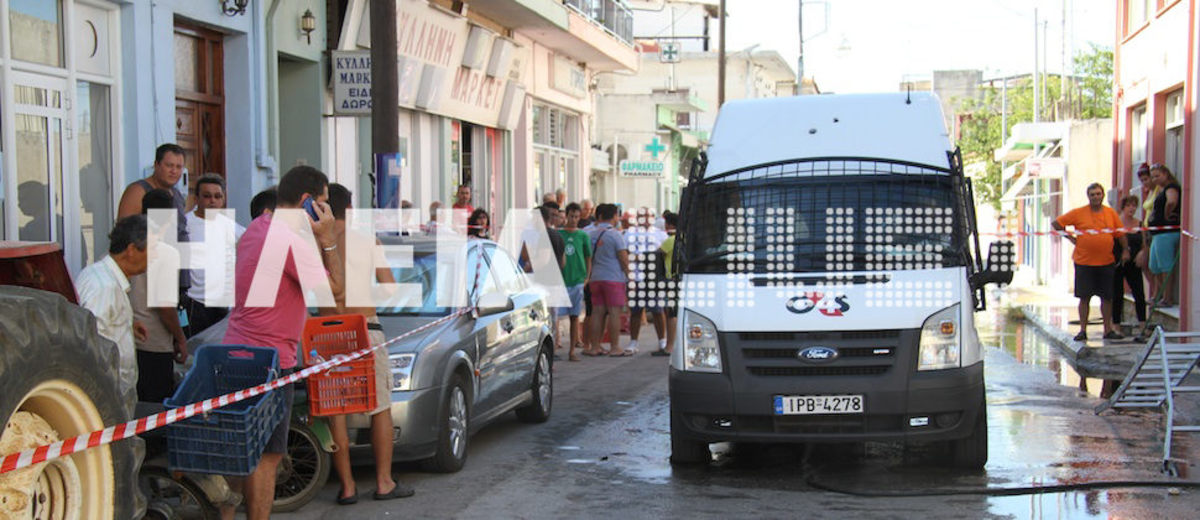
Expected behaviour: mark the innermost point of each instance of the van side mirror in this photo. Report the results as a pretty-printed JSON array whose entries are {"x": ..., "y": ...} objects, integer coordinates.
[{"x": 1001, "y": 265}]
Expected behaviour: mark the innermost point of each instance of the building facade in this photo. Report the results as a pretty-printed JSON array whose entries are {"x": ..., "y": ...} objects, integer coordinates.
[
  {"x": 1155, "y": 73},
  {"x": 493, "y": 95},
  {"x": 89, "y": 89}
]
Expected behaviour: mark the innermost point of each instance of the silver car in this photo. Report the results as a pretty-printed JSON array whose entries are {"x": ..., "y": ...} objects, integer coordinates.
[{"x": 452, "y": 379}]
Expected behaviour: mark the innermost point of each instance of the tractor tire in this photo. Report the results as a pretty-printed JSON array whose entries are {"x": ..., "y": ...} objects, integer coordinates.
[{"x": 58, "y": 379}]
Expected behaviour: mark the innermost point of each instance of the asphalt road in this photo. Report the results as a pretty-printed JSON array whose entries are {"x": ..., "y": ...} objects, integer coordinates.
[{"x": 603, "y": 454}]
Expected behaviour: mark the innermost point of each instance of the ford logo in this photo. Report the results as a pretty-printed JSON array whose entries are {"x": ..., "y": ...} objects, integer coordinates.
[{"x": 818, "y": 354}]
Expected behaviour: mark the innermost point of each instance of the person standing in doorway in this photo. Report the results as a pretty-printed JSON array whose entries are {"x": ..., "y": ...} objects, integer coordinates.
[
  {"x": 1093, "y": 256},
  {"x": 1164, "y": 243},
  {"x": 210, "y": 194},
  {"x": 1129, "y": 272}
]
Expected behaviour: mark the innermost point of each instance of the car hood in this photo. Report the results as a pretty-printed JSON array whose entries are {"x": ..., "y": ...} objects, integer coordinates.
[{"x": 394, "y": 326}]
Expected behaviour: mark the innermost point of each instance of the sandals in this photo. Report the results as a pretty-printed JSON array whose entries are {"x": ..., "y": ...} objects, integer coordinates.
[
  {"x": 346, "y": 501},
  {"x": 629, "y": 352},
  {"x": 400, "y": 491}
]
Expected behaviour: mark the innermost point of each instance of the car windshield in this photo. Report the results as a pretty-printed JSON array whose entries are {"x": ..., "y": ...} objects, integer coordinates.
[
  {"x": 424, "y": 273},
  {"x": 822, "y": 224}
]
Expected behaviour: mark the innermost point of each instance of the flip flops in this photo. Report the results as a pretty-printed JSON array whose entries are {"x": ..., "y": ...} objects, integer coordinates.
[
  {"x": 400, "y": 491},
  {"x": 629, "y": 352}
]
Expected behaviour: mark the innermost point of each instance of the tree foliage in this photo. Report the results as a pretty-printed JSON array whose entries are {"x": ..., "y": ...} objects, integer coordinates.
[{"x": 1088, "y": 96}]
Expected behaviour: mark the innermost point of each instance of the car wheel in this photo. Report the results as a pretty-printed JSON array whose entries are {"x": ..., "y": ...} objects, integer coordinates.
[
  {"x": 454, "y": 433},
  {"x": 58, "y": 379},
  {"x": 543, "y": 391},
  {"x": 302, "y": 472}
]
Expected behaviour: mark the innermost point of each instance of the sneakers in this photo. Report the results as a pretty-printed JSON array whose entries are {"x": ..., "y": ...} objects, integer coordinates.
[{"x": 633, "y": 345}]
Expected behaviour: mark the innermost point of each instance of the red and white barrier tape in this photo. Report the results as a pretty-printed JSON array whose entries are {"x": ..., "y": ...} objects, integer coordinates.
[
  {"x": 118, "y": 432},
  {"x": 1077, "y": 232}
]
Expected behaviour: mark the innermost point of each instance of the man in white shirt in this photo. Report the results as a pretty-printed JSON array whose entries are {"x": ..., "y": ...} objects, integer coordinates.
[
  {"x": 204, "y": 309},
  {"x": 103, "y": 289}
]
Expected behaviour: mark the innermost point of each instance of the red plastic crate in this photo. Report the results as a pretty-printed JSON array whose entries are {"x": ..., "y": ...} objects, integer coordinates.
[{"x": 349, "y": 387}]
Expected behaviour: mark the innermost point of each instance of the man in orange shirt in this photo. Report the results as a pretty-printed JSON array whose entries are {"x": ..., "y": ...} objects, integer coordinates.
[{"x": 1094, "y": 260}]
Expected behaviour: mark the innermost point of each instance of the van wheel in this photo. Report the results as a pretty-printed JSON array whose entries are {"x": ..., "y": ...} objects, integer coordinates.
[
  {"x": 972, "y": 451},
  {"x": 685, "y": 449},
  {"x": 454, "y": 433},
  {"x": 58, "y": 379}
]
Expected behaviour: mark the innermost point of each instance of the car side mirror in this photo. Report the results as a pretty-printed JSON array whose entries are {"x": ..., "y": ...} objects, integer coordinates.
[
  {"x": 493, "y": 303},
  {"x": 1001, "y": 265}
]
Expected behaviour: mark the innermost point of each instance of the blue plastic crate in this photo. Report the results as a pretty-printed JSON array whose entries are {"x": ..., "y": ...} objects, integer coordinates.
[{"x": 227, "y": 440}]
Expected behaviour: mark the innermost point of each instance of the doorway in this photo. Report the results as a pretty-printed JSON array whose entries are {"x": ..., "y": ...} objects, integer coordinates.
[{"x": 200, "y": 100}]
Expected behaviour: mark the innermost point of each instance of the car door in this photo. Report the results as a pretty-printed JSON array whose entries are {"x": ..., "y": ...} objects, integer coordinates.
[
  {"x": 489, "y": 333},
  {"x": 517, "y": 361}
]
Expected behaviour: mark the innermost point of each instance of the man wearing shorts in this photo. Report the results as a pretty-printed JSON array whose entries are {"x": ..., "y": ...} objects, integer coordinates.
[
  {"x": 278, "y": 323},
  {"x": 577, "y": 264},
  {"x": 1095, "y": 266},
  {"x": 381, "y": 416},
  {"x": 610, "y": 273}
]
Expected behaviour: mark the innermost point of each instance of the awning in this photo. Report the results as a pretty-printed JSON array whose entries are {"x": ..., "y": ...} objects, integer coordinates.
[{"x": 1025, "y": 136}]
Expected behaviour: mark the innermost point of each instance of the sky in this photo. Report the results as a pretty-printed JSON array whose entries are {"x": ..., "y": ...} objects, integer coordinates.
[{"x": 873, "y": 45}]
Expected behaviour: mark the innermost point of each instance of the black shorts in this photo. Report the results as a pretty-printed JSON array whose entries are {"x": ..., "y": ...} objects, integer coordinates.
[
  {"x": 1094, "y": 280},
  {"x": 156, "y": 376},
  {"x": 278, "y": 443}
]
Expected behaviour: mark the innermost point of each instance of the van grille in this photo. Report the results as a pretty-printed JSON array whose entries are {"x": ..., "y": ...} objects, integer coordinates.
[
  {"x": 869, "y": 370},
  {"x": 784, "y": 353}
]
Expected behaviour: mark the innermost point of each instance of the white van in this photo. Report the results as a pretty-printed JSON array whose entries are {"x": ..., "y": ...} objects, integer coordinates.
[{"x": 830, "y": 270}]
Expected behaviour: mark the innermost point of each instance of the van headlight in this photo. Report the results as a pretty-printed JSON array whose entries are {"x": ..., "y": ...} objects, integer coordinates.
[
  {"x": 941, "y": 342},
  {"x": 401, "y": 366},
  {"x": 701, "y": 350}
]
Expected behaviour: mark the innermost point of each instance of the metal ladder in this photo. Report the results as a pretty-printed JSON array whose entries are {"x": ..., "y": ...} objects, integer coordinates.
[{"x": 1157, "y": 375}]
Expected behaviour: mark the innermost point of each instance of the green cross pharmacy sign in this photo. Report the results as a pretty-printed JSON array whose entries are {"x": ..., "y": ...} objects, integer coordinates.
[{"x": 645, "y": 169}]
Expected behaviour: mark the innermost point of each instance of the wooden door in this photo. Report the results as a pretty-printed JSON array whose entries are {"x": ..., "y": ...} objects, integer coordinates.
[{"x": 200, "y": 100}]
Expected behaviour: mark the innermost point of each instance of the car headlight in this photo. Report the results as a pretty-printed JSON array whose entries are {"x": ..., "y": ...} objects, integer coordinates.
[
  {"x": 701, "y": 349},
  {"x": 941, "y": 341},
  {"x": 401, "y": 366}
]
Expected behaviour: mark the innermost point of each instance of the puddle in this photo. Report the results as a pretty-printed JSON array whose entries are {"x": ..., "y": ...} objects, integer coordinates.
[{"x": 1028, "y": 346}]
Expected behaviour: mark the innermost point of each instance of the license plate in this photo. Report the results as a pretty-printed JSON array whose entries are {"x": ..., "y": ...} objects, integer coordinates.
[{"x": 818, "y": 404}]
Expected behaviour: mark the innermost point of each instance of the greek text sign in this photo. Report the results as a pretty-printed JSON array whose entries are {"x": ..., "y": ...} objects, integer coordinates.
[
  {"x": 652, "y": 169},
  {"x": 351, "y": 83}
]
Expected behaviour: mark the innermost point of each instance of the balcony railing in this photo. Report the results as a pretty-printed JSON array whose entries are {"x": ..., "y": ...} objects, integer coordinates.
[{"x": 612, "y": 15}]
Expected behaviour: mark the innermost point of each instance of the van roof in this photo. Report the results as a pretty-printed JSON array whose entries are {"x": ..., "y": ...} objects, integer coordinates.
[{"x": 751, "y": 132}]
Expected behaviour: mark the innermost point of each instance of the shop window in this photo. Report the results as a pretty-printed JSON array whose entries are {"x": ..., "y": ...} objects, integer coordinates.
[
  {"x": 35, "y": 28},
  {"x": 1173, "y": 124},
  {"x": 683, "y": 120}
]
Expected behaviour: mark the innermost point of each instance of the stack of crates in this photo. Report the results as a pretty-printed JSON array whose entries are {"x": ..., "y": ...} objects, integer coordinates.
[
  {"x": 228, "y": 440},
  {"x": 349, "y": 387}
]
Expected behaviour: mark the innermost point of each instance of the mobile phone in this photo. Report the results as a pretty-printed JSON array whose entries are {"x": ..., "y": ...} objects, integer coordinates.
[{"x": 311, "y": 208}]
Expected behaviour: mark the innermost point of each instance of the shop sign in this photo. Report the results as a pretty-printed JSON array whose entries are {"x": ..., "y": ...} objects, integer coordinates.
[
  {"x": 1045, "y": 167},
  {"x": 351, "y": 83},
  {"x": 642, "y": 169},
  {"x": 568, "y": 77}
]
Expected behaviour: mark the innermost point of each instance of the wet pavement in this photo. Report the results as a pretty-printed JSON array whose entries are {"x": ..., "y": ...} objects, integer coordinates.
[{"x": 604, "y": 452}]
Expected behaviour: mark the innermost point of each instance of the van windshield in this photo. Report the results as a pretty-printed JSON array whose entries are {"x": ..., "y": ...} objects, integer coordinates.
[{"x": 821, "y": 224}]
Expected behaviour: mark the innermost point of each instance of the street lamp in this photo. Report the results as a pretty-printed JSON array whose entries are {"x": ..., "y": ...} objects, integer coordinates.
[{"x": 308, "y": 24}]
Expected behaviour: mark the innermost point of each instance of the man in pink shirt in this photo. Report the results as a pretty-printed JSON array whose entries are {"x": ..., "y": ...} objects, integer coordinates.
[{"x": 276, "y": 260}]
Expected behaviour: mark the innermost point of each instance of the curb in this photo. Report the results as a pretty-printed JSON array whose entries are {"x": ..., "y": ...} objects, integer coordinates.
[{"x": 1105, "y": 362}]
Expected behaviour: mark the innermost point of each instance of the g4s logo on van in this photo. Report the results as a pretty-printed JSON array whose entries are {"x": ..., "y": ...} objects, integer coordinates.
[{"x": 827, "y": 304}]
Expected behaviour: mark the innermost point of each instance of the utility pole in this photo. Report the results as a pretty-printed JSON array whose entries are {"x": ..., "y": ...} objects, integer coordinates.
[
  {"x": 721, "y": 56},
  {"x": 800, "y": 58},
  {"x": 385, "y": 76}
]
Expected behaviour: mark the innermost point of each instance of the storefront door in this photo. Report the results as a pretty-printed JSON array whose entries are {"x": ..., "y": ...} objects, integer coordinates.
[{"x": 200, "y": 100}]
